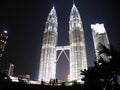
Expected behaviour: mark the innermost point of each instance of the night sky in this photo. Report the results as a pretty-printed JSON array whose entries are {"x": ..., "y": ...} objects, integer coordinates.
[{"x": 25, "y": 22}]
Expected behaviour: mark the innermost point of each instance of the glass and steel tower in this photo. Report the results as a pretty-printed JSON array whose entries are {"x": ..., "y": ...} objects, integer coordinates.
[
  {"x": 100, "y": 38},
  {"x": 47, "y": 69},
  {"x": 78, "y": 58}
]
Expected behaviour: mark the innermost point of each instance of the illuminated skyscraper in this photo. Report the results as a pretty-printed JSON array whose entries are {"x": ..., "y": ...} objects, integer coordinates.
[
  {"x": 77, "y": 48},
  {"x": 78, "y": 59},
  {"x": 3, "y": 41},
  {"x": 100, "y": 38},
  {"x": 47, "y": 69},
  {"x": 10, "y": 70}
]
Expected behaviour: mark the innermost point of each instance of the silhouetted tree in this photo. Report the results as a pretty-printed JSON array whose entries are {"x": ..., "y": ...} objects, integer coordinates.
[
  {"x": 103, "y": 75},
  {"x": 4, "y": 78}
]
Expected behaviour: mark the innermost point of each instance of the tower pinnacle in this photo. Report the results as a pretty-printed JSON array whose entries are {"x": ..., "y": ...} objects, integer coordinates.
[
  {"x": 74, "y": 12},
  {"x": 51, "y": 23},
  {"x": 52, "y": 15}
]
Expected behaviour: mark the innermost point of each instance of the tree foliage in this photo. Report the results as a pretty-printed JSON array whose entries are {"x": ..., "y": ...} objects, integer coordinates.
[{"x": 103, "y": 75}]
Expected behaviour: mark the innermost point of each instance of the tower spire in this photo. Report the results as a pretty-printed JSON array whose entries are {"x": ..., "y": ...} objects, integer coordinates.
[
  {"x": 74, "y": 12},
  {"x": 51, "y": 23},
  {"x": 73, "y": 2},
  {"x": 52, "y": 15},
  {"x": 53, "y": 4}
]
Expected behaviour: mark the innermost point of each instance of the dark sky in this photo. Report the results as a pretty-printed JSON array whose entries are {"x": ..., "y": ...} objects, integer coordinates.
[{"x": 25, "y": 22}]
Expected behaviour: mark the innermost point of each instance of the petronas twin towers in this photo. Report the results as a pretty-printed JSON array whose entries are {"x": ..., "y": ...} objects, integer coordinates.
[{"x": 77, "y": 49}]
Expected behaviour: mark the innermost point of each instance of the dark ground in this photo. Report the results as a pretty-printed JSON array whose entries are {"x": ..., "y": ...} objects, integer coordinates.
[{"x": 22, "y": 86}]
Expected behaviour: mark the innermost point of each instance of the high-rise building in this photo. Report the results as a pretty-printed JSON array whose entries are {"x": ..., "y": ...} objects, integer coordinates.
[
  {"x": 10, "y": 70},
  {"x": 77, "y": 47},
  {"x": 78, "y": 59},
  {"x": 48, "y": 54},
  {"x": 100, "y": 38},
  {"x": 3, "y": 41}
]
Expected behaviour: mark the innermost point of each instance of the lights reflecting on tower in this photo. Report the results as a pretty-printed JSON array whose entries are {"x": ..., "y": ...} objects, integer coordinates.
[
  {"x": 47, "y": 69},
  {"x": 100, "y": 38},
  {"x": 78, "y": 58},
  {"x": 77, "y": 49}
]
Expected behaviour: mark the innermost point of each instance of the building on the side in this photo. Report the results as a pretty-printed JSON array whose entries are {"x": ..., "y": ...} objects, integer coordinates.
[
  {"x": 10, "y": 70},
  {"x": 78, "y": 57},
  {"x": 100, "y": 38},
  {"x": 47, "y": 69},
  {"x": 3, "y": 41}
]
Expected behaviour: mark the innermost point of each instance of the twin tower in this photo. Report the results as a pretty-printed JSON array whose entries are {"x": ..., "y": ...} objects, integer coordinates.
[{"x": 77, "y": 48}]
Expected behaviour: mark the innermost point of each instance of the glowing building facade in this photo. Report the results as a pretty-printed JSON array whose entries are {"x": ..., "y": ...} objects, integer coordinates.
[
  {"x": 48, "y": 54},
  {"x": 77, "y": 48},
  {"x": 10, "y": 70},
  {"x": 78, "y": 59},
  {"x": 100, "y": 38}
]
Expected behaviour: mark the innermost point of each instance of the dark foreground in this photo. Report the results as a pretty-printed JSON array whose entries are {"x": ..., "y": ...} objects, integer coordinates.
[{"x": 23, "y": 86}]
